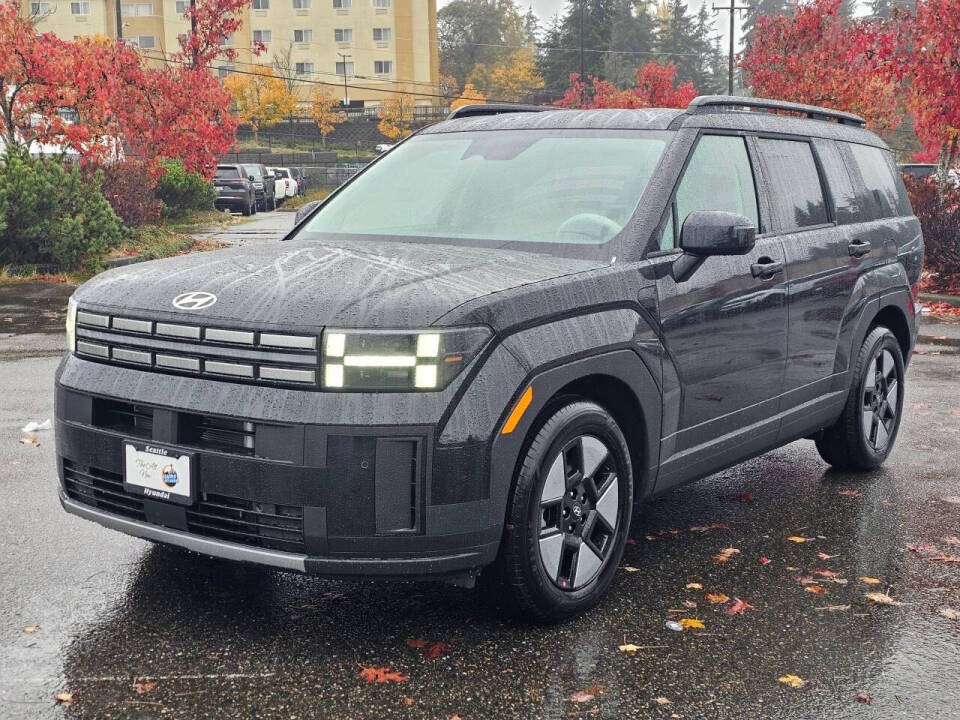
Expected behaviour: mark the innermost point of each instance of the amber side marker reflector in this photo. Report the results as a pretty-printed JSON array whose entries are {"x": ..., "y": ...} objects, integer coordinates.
[{"x": 518, "y": 410}]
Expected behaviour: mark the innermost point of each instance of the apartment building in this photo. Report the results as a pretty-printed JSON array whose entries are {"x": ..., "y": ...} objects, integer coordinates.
[{"x": 377, "y": 46}]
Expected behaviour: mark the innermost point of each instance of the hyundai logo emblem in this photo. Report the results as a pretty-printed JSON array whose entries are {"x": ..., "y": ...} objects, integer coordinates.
[{"x": 195, "y": 300}]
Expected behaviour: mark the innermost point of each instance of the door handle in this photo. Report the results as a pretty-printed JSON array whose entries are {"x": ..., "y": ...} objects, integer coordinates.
[
  {"x": 858, "y": 248},
  {"x": 766, "y": 268}
]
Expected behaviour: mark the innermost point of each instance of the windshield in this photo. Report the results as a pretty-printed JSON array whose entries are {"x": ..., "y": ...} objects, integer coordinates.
[{"x": 561, "y": 192}]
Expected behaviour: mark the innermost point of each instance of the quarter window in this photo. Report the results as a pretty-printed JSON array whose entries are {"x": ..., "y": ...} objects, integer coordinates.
[
  {"x": 718, "y": 177},
  {"x": 879, "y": 192},
  {"x": 791, "y": 174}
]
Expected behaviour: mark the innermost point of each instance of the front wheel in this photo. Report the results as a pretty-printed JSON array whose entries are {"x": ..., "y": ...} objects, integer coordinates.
[
  {"x": 864, "y": 435},
  {"x": 569, "y": 515}
]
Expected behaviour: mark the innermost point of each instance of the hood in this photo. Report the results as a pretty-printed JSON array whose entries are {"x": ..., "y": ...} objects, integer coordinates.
[{"x": 305, "y": 284}]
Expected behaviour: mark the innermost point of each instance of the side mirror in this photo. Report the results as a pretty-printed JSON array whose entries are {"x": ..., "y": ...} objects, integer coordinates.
[
  {"x": 305, "y": 210},
  {"x": 251, "y": 178},
  {"x": 716, "y": 232}
]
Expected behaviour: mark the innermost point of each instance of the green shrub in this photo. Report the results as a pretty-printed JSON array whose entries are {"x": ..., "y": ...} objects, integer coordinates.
[
  {"x": 182, "y": 191},
  {"x": 53, "y": 215}
]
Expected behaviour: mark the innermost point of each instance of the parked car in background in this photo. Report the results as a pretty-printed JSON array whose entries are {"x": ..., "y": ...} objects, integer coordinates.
[
  {"x": 286, "y": 185},
  {"x": 300, "y": 176},
  {"x": 382, "y": 148},
  {"x": 928, "y": 170},
  {"x": 235, "y": 191},
  {"x": 264, "y": 186}
]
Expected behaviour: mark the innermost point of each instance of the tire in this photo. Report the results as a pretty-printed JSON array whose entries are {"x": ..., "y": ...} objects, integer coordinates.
[
  {"x": 273, "y": 203},
  {"x": 246, "y": 209},
  {"x": 560, "y": 554},
  {"x": 865, "y": 433}
]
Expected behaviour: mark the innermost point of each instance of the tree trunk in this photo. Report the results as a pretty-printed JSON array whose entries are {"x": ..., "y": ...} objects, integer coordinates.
[
  {"x": 256, "y": 135},
  {"x": 947, "y": 150}
]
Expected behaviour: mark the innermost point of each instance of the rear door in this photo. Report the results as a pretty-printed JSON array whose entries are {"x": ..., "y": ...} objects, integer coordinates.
[
  {"x": 820, "y": 273},
  {"x": 723, "y": 325}
]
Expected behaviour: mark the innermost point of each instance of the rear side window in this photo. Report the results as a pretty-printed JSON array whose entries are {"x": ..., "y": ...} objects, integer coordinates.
[
  {"x": 796, "y": 195},
  {"x": 718, "y": 177},
  {"x": 880, "y": 191},
  {"x": 846, "y": 200}
]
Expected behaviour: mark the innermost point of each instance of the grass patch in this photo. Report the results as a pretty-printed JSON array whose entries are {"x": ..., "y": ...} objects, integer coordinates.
[
  {"x": 199, "y": 220},
  {"x": 10, "y": 274},
  {"x": 295, "y": 203},
  {"x": 160, "y": 241}
]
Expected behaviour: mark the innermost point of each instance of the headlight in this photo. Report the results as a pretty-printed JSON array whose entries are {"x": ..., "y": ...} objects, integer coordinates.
[
  {"x": 397, "y": 360},
  {"x": 71, "y": 325}
]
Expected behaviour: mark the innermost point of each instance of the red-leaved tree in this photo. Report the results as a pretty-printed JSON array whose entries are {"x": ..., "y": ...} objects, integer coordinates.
[
  {"x": 656, "y": 87},
  {"x": 817, "y": 57}
]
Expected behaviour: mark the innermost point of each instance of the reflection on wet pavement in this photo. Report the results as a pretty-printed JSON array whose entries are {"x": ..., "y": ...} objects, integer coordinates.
[{"x": 226, "y": 640}]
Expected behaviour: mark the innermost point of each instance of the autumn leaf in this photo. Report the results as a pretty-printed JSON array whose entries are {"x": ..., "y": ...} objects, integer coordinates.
[
  {"x": 662, "y": 701},
  {"x": 629, "y": 648},
  {"x": 725, "y": 554},
  {"x": 869, "y": 580},
  {"x": 850, "y": 493},
  {"x": 146, "y": 686},
  {"x": 863, "y": 698},
  {"x": 629, "y": 568},
  {"x": 66, "y": 698},
  {"x": 381, "y": 675},
  {"x": 712, "y": 526},
  {"x": 581, "y": 697},
  {"x": 882, "y": 599},
  {"x": 952, "y": 540},
  {"x": 416, "y": 642},
  {"x": 408, "y": 701},
  {"x": 717, "y": 598},
  {"x": 436, "y": 650},
  {"x": 690, "y": 604},
  {"x": 798, "y": 539},
  {"x": 815, "y": 589},
  {"x": 794, "y": 681},
  {"x": 764, "y": 560},
  {"x": 694, "y": 586},
  {"x": 691, "y": 624},
  {"x": 737, "y": 606},
  {"x": 824, "y": 556},
  {"x": 950, "y": 613},
  {"x": 921, "y": 549},
  {"x": 30, "y": 629}
]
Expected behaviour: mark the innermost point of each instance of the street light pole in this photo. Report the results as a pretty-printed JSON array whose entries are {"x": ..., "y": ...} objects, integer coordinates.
[
  {"x": 731, "y": 8},
  {"x": 343, "y": 59},
  {"x": 581, "y": 39},
  {"x": 119, "y": 21}
]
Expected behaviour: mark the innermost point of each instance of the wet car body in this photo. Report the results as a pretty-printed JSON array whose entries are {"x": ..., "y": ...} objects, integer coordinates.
[{"x": 703, "y": 361}]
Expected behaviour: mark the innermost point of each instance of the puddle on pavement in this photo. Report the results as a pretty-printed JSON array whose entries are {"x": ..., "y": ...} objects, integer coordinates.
[{"x": 33, "y": 307}]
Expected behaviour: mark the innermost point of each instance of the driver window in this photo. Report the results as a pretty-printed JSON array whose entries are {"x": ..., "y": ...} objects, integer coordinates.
[{"x": 718, "y": 177}]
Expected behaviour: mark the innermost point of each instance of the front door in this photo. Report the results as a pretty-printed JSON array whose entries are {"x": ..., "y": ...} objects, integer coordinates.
[{"x": 724, "y": 326}]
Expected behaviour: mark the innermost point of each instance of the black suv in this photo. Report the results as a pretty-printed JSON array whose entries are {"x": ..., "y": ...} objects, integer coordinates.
[
  {"x": 264, "y": 183},
  {"x": 234, "y": 190},
  {"x": 486, "y": 349}
]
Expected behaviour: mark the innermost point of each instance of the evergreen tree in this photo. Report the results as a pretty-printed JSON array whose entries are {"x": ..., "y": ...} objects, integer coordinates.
[
  {"x": 712, "y": 78},
  {"x": 678, "y": 41},
  {"x": 560, "y": 54},
  {"x": 633, "y": 41}
]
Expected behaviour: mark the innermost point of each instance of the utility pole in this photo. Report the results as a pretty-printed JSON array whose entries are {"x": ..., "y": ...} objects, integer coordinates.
[
  {"x": 732, "y": 8},
  {"x": 119, "y": 21},
  {"x": 343, "y": 59},
  {"x": 582, "y": 2},
  {"x": 193, "y": 32}
]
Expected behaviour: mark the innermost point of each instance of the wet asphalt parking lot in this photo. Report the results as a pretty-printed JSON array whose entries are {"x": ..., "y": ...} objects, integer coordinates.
[{"x": 135, "y": 630}]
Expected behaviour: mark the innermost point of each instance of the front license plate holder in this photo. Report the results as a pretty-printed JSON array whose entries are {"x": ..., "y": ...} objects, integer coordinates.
[{"x": 158, "y": 472}]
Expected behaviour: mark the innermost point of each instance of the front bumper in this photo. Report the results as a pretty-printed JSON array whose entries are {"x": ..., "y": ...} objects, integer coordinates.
[{"x": 377, "y": 500}]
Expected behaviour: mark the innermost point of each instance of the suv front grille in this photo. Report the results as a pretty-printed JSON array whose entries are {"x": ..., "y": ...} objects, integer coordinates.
[
  {"x": 265, "y": 525},
  {"x": 260, "y": 357}
]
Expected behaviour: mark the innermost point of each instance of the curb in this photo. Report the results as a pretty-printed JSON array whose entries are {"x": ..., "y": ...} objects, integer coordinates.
[
  {"x": 948, "y": 299},
  {"x": 938, "y": 340},
  {"x": 122, "y": 261}
]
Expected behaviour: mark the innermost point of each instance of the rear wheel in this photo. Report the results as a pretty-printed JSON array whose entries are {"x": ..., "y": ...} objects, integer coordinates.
[
  {"x": 247, "y": 209},
  {"x": 864, "y": 435},
  {"x": 568, "y": 517}
]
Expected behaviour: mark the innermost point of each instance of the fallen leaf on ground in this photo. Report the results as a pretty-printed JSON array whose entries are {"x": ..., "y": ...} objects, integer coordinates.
[
  {"x": 381, "y": 675},
  {"x": 628, "y": 568},
  {"x": 650, "y": 537},
  {"x": 952, "y": 540},
  {"x": 863, "y": 698},
  {"x": 826, "y": 573},
  {"x": 869, "y": 580},
  {"x": 850, "y": 493},
  {"x": 32, "y": 440},
  {"x": 924, "y": 547},
  {"x": 717, "y": 598},
  {"x": 943, "y": 557},
  {"x": 834, "y": 608},
  {"x": 146, "y": 686},
  {"x": 581, "y": 697},
  {"x": 30, "y": 629},
  {"x": 803, "y": 579},
  {"x": 689, "y": 604},
  {"x": 815, "y": 589},
  {"x": 436, "y": 650},
  {"x": 950, "y": 613},
  {"x": 764, "y": 560},
  {"x": 726, "y": 554},
  {"x": 408, "y": 701},
  {"x": 712, "y": 526},
  {"x": 824, "y": 556},
  {"x": 416, "y": 642},
  {"x": 694, "y": 586},
  {"x": 746, "y": 497},
  {"x": 737, "y": 606},
  {"x": 794, "y": 681},
  {"x": 798, "y": 539},
  {"x": 882, "y": 599},
  {"x": 65, "y": 698},
  {"x": 662, "y": 701},
  {"x": 691, "y": 624},
  {"x": 629, "y": 648}
]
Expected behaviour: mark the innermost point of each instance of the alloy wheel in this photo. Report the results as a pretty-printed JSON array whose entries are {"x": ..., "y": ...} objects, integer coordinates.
[
  {"x": 880, "y": 400},
  {"x": 579, "y": 511}
]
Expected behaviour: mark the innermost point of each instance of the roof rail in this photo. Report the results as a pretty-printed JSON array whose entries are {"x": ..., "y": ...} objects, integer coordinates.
[
  {"x": 496, "y": 109},
  {"x": 706, "y": 103}
]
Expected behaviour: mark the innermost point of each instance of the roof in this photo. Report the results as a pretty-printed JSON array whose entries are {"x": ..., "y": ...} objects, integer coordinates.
[{"x": 717, "y": 112}]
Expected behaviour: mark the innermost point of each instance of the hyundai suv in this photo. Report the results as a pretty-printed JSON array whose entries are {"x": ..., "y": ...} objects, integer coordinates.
[
  {"x": 483, "y": 352},
  {"x": 234, "y": 190}
]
